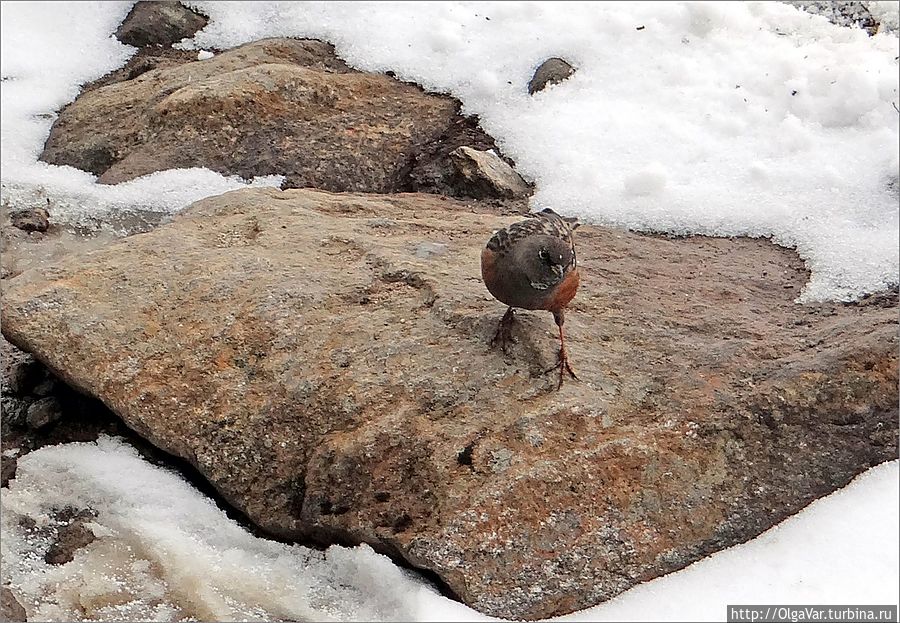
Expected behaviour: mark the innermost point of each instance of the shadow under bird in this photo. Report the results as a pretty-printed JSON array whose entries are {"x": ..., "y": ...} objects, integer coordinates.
[{"x": 531, "y": 265}]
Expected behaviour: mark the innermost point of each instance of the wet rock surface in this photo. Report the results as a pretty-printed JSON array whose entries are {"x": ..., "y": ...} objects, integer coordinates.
[
  {"x": 274, "y": 107},
  {"x": 323, "y": 360}
]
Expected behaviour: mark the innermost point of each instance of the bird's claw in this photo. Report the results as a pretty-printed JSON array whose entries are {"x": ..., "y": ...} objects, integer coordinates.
[
  {"x": 503, "y": 337},
  {"x": 563, "y": 366}
]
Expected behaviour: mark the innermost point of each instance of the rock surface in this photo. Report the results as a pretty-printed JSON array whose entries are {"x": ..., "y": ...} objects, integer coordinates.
[
  {"x": 552, "y": 71},
  {"x": 274, "y": 107},
  {"x": 72, "y": 534},
  {"x": 35, "y": 219},
  {"x": 487, "y": 174},
  {"x": 323, "y": 360},
  {"x": 10, "y": 608},
  {"x": 24, "y": 382},
  {"x": 162, "y": 22}
]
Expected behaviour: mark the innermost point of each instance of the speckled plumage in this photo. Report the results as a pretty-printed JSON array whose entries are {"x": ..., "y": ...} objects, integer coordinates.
[{"x": 545, "y": 222}]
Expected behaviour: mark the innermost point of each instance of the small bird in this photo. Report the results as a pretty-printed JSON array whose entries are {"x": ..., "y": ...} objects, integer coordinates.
[{"x": 531, "y": 265}]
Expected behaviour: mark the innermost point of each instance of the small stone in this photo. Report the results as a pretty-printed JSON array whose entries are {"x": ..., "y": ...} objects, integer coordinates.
[
  {"x": 8, "y": 466},
  {"x": 33, "y": 219},
  {"x": 70, "y": 538},
  {"x": 159, "y": 23},
  {"x": 430, "y": 249},
  {"x": 13, "y": 411},
  {"x": 204, "y": 55},
  {"x": 483, "y": 174},
  {"x": 43, "y": 412},
  {"x": 552, "y": 71}
]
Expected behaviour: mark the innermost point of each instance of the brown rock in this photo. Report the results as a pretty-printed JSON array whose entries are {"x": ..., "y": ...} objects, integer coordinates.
[
  {"x": 336, "y": 384},
  {"x": 72, "y": 534},
  {"x": 161, "y": 22},
  {"x": 34, "y": 219},
  {"x": 10, "y": 608},
  {"x": 274, "y": 107},
  {"x": 552, "y": 71},
  {"x": 485, "y": 174}
]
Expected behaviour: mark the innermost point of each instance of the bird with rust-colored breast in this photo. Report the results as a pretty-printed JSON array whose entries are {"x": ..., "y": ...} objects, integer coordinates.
[{"x": 531, "y": 265}]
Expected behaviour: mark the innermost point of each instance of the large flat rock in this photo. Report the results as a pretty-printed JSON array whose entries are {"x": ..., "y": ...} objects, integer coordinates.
[{"x": 323, "y": 360}]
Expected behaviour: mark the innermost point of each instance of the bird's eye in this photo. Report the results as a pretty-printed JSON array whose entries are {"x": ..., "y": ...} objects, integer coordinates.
[{"x": 545, "y": 257}]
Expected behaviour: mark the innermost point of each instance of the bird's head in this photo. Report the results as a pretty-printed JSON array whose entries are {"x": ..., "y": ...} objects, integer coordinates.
[{"x": 546, "y": 260}]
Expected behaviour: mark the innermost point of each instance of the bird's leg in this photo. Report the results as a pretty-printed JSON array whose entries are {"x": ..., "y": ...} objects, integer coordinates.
[
  {"x": 503, "y": 336},
  {"x": 563, "y": 357}
]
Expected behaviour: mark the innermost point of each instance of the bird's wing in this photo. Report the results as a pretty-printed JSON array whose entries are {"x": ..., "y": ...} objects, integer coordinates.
[{"x": 546, "y": 222}]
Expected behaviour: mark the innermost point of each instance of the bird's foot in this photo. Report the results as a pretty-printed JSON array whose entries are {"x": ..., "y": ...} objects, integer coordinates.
[
  {"x": 503, "y": 337},
  {"x": 563, "y": 366}
]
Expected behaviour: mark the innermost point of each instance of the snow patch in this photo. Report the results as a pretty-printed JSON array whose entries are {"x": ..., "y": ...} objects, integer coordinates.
[
  {"x": 165, "y": 552},
  {"x": 44, "y": 62},
  {"x": 650, "y": 180}
]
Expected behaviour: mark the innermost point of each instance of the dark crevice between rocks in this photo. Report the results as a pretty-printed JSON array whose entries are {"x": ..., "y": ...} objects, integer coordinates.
[
  {"x": 84, "y": 418},
  {"x": 427, "y": 171},
  {"x": 317, "y": 536},
  {"x": 322, "y": 537}
]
